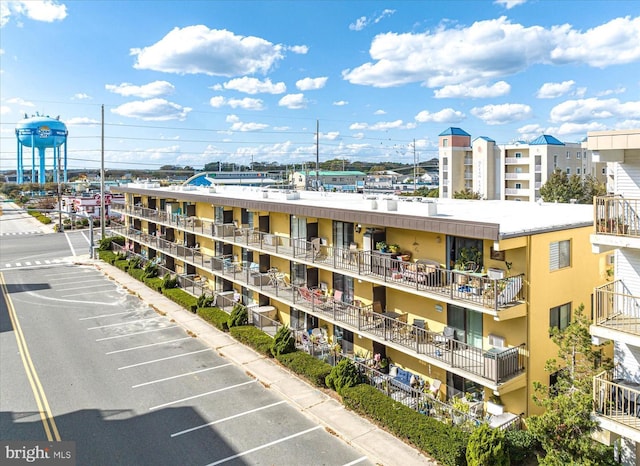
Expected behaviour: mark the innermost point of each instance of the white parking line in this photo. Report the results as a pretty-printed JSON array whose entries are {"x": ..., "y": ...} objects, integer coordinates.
[
  {"x": 147, "y": 346},
  {"x": 202, "y": 394},
  {"x": 86, "y": 293},
  {"x": 186, "y": 431},
  {"x": 359, "y": 460},
  {"x": 124, "y": 323},
  {"x": 181, "y": 375},
  {"x": 85, "y": 287},
  {"x": 135, "y": 333},
  {"x": 106, "y": 315},
  {"x": 165, "y": 359},
  {"x": 266, "y": 445}
]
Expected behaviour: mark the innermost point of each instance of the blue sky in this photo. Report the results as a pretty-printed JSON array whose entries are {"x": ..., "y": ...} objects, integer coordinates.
[{"x": 191, "y": 82}]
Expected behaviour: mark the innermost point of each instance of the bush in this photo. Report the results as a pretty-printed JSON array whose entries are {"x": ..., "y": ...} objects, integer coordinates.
[
  {"x": 122, "y": 264},
  {"x": 312, "y": 369},
  {"x": 105, "y": 243},
  {"x": 136, "y": 273},
  {"x": 181, "y": 297},
  {"x": 154, "y": 283},
  {"x": 344, "y": 375},
  {"x": 521, "y": 445},
  {"x": 253, "y": 337},
  {"x": 443, "y": 442},
  {"x": 135, "y": 262},
  {"x": 239, "y": 316},
  {"x": 215, "y": 316},
  {"x": 107, "y": 256},
  {"x": 487, "y": 446},
  {"x": 44, "y": 219},
  {"x": 169, "y": 281},
  {"x": 205, "y": 300},
  {"x": 283, "y": 342},
  {"x": 150, "y": 270}
]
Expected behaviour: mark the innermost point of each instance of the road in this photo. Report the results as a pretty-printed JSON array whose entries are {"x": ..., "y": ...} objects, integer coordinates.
[{"x": 85, "y": 361}]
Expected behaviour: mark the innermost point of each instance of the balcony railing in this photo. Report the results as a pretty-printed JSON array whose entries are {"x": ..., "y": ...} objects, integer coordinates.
[
  {"x": 617, "y": 216},
  {"x": 488, "y": 293},
  {"x": 516, "y": 160},
  {"x": 617, "y": 398},
  {"x": 616, "y": 308}
]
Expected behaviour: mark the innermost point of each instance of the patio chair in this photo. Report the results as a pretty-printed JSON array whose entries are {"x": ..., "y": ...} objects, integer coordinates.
[
  {"x": 510, "y": 292},
  {"x": 442, "y": 340},
  {"x": 316, "y": 248}
]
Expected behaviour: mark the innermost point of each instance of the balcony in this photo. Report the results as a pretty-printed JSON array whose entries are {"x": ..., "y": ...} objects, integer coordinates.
[
  {"x": 502, "y": 298},
  {"x": 617, "y": 314},
  {"x": 616, "y": 223},
  {"x": 617, "y": 403},
  {"x": 487, "y": 367},
  {"x": 516, "y": 191},
  {"x": 516, "y": 176},
  {"x": 516, "y": 160}
]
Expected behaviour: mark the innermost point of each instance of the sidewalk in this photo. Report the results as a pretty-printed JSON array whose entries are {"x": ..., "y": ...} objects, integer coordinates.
[{"x": 380, "y": 446}]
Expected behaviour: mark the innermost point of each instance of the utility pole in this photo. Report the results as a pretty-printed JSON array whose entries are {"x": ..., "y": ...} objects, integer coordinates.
[
  {"x": 102, "y": 219},
  {"x": 317, "y": 155},
  {"x": 59, "y": 193},
  {"x": 415, "y": 166}
]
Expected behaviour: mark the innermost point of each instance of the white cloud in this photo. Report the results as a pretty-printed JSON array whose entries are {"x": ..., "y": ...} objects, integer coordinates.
[
  {"x": 379, "y": 112},
  {"x": 247, "y": 103},
  {"x": 238, "y": 125},
  {"x": 587, "y": 110},
  {"x": 19, "y": 101},
  {"x": 5, "y": 109},
  {"x": 379, "y": 126},
  {"x": 299, "y": 49},
  {"x": 502, "y": 113},
  {"x": 217, "y": 101},
  {"x": 293, "y": 101},
  {"x": 446, "y": 115},
  {"x": 253, "y": 86},
  {"x": 330, "y": 136},
  {"x": 81, "y": 96},
  {"x": 363, "y": 21},
  {"x": 508, "y": 4},
  {"x": 340, "y": 103},
  {"x": 152, "y": 110},
  {"x": 477, "y": 92},
  {"x": 553, "y": 90},
  {"x": 146, "y": 91},
  {"x": 311, "y": 84},
  {"x": 492, "y": 49},
  {"x": 618, "y": 90},
  {"x": 47, "y": 11},
  {"x": 198, "y": 49},
  {"x": 82, "y": 121},
  {"x": 530, "y": 132}
]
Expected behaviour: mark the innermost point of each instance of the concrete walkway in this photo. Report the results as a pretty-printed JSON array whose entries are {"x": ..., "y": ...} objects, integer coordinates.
[{"x": 380, "y": 446}]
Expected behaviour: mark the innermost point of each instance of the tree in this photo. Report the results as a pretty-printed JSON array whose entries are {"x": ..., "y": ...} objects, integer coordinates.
[
  {"x": 487, "y": 446},
  {"x": 564, "y": 429},
  {"x": 466, "y": 194},
  {"x": 563, "y": 188}
]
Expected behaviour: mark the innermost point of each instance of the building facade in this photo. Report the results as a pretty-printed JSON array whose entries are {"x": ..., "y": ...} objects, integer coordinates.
[
  {"x": 459, "y": 293},
  {"x": 617, "y": 303},
  {"x": 513, "y": 171}
]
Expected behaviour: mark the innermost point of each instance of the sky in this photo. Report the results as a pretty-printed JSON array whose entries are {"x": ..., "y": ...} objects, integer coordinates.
[{"x": 191, "y": 82}]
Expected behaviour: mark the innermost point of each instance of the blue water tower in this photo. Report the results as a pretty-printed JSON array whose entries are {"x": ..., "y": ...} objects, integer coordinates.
[{"x": 41, "y": 132}]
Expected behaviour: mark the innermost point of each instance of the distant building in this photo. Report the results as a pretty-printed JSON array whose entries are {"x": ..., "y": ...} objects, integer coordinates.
[
  {"x": 347, "y": 180},
  {"x": 513, "y": 171}
]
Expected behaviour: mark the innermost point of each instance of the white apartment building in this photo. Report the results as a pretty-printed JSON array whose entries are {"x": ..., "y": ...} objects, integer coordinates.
[
  {"x": 513, "y": 171},
  {"x": 617, "y": 304}
]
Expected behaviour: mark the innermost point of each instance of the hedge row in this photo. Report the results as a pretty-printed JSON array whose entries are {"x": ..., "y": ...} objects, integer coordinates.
[
  {"x": 443, "y": 442},
  {"x": 39, "y": 216},
  {"x": 253, "y": 337},
  {"x": 215, "y": 316},
  {"x": 181, "y": 297},
  {"x": 313, "y": 369}
]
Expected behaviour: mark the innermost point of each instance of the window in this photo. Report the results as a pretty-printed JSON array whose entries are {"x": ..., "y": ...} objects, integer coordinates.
[
  {"x": 604, "y": 170},
  {"x": 445, "y": 142},
  {"x": 578, "y": 155},
  {"x": 518, "y": 185},
  {"x": 559, "y": 255},
  {"x": 518, "y": 155},
  {"x": 578, "y": 171},
  {"x": 560, "y": 316},
  {"x": 568, "y": 154},
  {"x": 568, "y": 171},
  {"x": 555, "y": 161}
]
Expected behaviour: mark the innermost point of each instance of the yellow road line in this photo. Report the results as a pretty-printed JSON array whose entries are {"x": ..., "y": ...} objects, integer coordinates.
[{"x": 44, "y": 410}]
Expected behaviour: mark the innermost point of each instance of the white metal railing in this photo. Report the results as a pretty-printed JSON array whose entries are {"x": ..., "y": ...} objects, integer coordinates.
[
  {"x": 615, "y": 215},
  {"x": 617, "y": 308},
  {"x": 617, "y": 398}
]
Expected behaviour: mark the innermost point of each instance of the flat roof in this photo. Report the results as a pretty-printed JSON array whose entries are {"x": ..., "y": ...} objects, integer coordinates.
[{"x": 492, "y": 219}]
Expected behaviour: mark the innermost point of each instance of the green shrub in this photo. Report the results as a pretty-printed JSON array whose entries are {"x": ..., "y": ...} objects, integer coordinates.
[
  {"x": 155, "y": 283},
  {"x": 150, "y": 270},
  {"x": 136, "y": 273},
  {"x": 105, "y": 243},
  {"x": 521, "y": 445},
  {"x": 283, "y": 342},
  {"x": 487, "y": 446},
  {"x": 305, "y": 365},
  {"x": 205, "y": 300},
  {"x": 107, "y": 256},
  {"x": 253, "y": 337},
  {"x": 44, "y": 219},
  {"x": 238, "y": 316},
  {"x": 135, "y": 262},
  {"x": 445, "y": 443},
  {"x": 169, "y": 281},
  {"x": 344, "y": 375},
  {"x": 215, "y": 316},
  {"x": 181, "y": 297},
  {"x": 122, "y": 264}
]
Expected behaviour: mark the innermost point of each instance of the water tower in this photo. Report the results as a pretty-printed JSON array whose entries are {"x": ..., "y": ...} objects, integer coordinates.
[{"x": 41, "y": 132}]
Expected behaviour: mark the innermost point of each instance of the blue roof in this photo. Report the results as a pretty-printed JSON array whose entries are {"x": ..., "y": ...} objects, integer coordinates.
[
  {"x": 545, "y": 139},
  {"x": 453, "y": 131},
  {"x": 485, "y": 138}
]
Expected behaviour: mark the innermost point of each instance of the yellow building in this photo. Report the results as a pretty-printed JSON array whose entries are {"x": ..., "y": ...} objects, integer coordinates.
[{"x": 463, "y": 297}]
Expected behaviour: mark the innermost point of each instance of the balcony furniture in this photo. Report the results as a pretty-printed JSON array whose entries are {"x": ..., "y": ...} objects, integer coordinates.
[
  {"x": 310, "y": 296},
  {"x": 627, "y": 396},
  {"x": 264, "y": 315},
  {"x": 510, "y": 291},
  {"x": 399, "y": 377},
  {"x": 424, "y": 271},
  {"x": 442, "y": 340},
  {"x": 271, "y": 240},
  {"x": 317, "y": 249}
]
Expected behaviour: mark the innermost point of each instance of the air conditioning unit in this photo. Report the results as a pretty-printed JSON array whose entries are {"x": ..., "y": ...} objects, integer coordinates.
[{"x": 496, "y": 341}]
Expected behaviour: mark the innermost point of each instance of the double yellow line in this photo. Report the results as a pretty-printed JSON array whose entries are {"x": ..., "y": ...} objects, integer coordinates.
[{"x": 44, "y": 410}]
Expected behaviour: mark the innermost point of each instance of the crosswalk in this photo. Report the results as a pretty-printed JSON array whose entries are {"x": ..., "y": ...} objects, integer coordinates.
[
  {"x": 35, "y": 263},
  {"x": 16, "y": 233}
]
